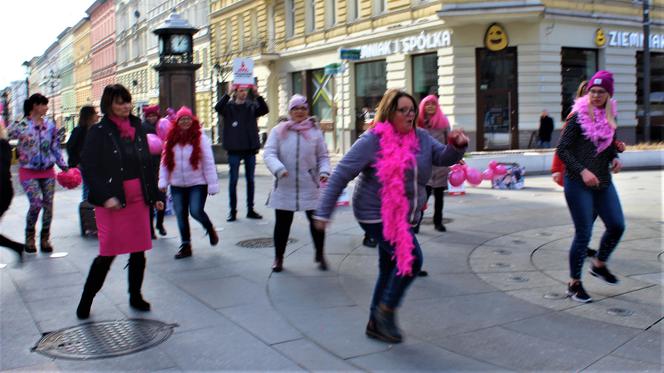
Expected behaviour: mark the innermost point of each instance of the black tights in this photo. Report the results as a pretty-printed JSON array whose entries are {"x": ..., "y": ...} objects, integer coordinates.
[
  {"x": 438, "y": 203},
  {"x": 282, "y": 225}
]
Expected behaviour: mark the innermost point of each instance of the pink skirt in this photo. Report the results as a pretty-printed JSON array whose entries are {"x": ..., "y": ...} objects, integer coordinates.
[{"x": 126, "y": 230}]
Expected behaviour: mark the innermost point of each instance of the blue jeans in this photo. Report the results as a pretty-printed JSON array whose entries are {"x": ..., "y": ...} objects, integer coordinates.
[
  {"x": 86, "y": 191},
  {"x": 186, "y": 200},
  {"x": 249, "y": 167},
  {"x": 390, "y": 288},
  {"x": 543, "y": 144},
  {"x": 584, "y": 203}
]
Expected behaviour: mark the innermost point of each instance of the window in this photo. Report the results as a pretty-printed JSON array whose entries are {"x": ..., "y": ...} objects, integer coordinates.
[
  {"x": 330, "y": 13},
  {"x": 297, "y": 83},
  {"x": 240, "y": 31},
  {"x": 380, "y": 6},
  {"x": 425, "y": 75},
  {"x": 290, "y": 17},
  {"x": 370, "y": 86},
  {"x": 229, "y": 35},
  {"x": 322, "y": 95},
  {"x": 310, "y": 15},
  {"x": 353, "y": 9},
  {"x": 254, "y": 27},
  {"x": 577, "y": 65},
  {"x": 656, "y": 96}
]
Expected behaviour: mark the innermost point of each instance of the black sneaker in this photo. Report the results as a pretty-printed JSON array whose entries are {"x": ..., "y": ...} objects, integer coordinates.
[
  {"x": 254, "y": 215},
  {"x": 590, "y": 253},
  {"x": 232, "y": 216},
  {"x": 578, "y": 293},
  {"x": 603, "y": 274},
  {"x": 369, "y": 242}
]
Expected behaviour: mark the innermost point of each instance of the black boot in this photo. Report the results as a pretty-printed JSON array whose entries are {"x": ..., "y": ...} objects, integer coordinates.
[
  {"x": 160, "y": 223},
  {"x": 30, "y": 245},
  {"x": 385, "y": 325},
  {"x": 44, "y": 242},
  {"x": 320, "y": 259},
  {"x": 17, "y": 247},
  {"x": 136, "y": 271},
  {"x": 232, "y": 216},
  {"x": 184, "y": 252},
  {"x": 93, "y": 284}
]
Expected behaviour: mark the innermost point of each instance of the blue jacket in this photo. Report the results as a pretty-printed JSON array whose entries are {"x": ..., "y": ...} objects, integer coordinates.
[
  {"x": 38, "y": 148},
  {"x": 361, "y": 160}
]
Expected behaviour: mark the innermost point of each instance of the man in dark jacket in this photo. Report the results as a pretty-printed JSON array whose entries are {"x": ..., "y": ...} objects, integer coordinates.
[
  {"x": 150, "y": 119},
  {"x": 545, "y": 130},
  {"x": 240, "y": 139}
]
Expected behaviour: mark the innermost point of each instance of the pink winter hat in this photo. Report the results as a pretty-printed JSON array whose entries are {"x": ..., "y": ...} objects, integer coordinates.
[
  {"x": 604, "y": 79},
  {"x": 151, "y": 109},
  {"x": 183, "y": 112},
  {"x": 297, "y": 100}
]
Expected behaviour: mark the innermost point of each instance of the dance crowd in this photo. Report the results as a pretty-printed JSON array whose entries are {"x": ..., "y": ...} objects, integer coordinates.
[{"x": 129, "y": 167}]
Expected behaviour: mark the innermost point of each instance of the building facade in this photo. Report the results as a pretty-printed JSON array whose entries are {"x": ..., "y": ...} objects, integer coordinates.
[
  {"x": 102, "y": 49},
  {"x": 495, "y": 65},
  {"x": 82, "y": 64},
  {"x": 67, "y": 84},
  {"x": 16, "y": 97}
]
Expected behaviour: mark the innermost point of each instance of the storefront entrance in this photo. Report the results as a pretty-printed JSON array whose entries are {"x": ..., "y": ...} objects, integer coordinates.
[{"x": 497, "y": 106}]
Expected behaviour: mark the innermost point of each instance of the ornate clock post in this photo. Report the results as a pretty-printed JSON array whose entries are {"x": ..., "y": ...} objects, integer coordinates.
[{"x": 177, "y": 80}]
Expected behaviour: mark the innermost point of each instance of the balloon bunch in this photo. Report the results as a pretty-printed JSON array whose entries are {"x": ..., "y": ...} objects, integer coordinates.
[
  {"x": 462, "y": 172},
  {"x": 156, "y": 142},
  {"x": 69, "y": 179}
]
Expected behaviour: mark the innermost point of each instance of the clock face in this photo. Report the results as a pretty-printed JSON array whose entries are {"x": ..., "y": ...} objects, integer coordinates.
[
  {"x": 180, "y": 43},
  {"x": 161, "y": 46}
]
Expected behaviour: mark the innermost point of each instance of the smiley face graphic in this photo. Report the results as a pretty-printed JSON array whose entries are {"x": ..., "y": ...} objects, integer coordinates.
[
  {"x": 495, "y": 38},
  {"x": 600, "y": 38}
]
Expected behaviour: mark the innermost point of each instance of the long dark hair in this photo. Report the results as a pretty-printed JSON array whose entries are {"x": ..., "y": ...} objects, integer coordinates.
[{"x": 85, "y": 116}]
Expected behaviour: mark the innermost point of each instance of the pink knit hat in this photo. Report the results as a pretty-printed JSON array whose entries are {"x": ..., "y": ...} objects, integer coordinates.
[
  {"x": 297, "y": 100},
  {"x": 151, "y": 109},
  {"x": 604, "y": 79},
  {"x": 183, "y": 112}
]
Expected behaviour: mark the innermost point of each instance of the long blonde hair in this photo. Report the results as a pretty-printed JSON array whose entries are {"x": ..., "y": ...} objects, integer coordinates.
[{"x": 608, "y": 107}]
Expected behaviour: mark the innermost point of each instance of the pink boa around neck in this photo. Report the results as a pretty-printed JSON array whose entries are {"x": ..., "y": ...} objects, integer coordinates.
[
  {"x": 395, "y": 157},
  {"x": 124, "y": 126},
  {"x": 438, "y": 120},
  {"x": 302, "y": 127},
  {"x": 598, "y": 131}
]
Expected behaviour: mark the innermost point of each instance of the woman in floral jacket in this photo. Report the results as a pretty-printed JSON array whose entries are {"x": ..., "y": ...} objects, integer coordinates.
[{"x": 39, "y": 151}]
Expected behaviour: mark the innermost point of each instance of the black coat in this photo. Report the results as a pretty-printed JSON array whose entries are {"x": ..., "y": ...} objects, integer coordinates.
[
  {"x": 240, "y": 129},
  {"x": 6, "y": 188},
  {"x": 102, "y": 163},
  {"x": 75, "y": 145},
  {"x": 545, "y": 128}
]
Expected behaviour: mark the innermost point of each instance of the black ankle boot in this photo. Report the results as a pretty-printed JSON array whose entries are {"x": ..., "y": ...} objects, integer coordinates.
[
  {"x": 93, "y": 284},
  {"x": 386, "y": 328},
  {"x": 135, "y": 273}
]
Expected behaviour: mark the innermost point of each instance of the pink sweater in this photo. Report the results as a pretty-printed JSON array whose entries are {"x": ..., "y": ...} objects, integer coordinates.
[{"x": 184, "y": 175}]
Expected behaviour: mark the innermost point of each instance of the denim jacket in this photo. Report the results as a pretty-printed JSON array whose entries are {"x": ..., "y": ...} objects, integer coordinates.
[{"x": 38, "y": 147}]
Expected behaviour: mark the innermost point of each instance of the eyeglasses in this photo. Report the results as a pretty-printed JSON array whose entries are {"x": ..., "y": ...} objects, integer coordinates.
[
  {"x": 406, "y": 111},
  {"x": 597, "y": 92},
  {"x": 299, "y": 108}
]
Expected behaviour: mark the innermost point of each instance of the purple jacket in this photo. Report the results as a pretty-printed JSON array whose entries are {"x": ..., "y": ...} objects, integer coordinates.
[
  {"x": 184, "y": 175},
  {"x": 38, "y": 148}
]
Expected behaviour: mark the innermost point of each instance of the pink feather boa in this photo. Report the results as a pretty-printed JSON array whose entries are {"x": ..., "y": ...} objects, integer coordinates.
[
  {"x": 395, "y": 157},
  {"x": 599, "y": 131}
]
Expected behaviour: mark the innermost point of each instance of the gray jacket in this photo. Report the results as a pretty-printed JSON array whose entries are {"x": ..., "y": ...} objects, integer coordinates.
[
  {"x": 361, "y": 160},
  {"x": 305, "y": 159}
]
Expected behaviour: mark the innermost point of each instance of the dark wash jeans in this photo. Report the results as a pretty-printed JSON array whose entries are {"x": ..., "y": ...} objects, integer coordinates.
[
  {"x": 390, "y": 288},
  {"x": 186, "y": 200},
  {"x": 249, "y": 168},
  {"x": 583, "y": 203}
]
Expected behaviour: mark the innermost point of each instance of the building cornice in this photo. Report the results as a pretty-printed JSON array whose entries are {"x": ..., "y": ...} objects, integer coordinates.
[{"x": 232, "y": 7}]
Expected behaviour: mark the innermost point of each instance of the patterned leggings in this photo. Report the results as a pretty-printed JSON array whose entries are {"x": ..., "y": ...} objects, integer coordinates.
[{"x": 40, "y": 194}]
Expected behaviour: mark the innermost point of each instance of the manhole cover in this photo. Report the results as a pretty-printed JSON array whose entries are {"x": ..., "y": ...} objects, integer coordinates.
[
  {"x": 502, "y": 252},
  {"x": 518, "y": 242},
  {"x": 500, "y": 265},
  {"x": 622, "y": 312},
  {"x": 545, "y": 234},
  {"x": 519, "y": 279},
  {"x": 259, "y": 243},
  {"x": 429, "y": 221},
  {"x": 554, "y": 295},
  {"x": 102, "y": 339}
]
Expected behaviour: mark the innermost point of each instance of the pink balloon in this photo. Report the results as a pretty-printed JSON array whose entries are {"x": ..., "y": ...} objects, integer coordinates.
[
  {"x": 69, "y": 179},
  {"x": 163, "y": 126},
  {"x": 492, "y": 165},
  {"x": 455, "y": 167},
  {"x": 456, "y": 178},
  {"x": 487, "y": 174},
  {"x": 155, "y": 144},
  {"x": 473, "y": 176},
  {"x": 500, "y": 170}
]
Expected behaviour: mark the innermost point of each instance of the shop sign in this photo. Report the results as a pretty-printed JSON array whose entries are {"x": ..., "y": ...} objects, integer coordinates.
[
  {"x": 410, "y": 44},
  {"x": 349, "y": 54},
  {"x": 495, "y": 38},
  {"x": 626, "y": 39},
  {"x": 243, "y": 71}
]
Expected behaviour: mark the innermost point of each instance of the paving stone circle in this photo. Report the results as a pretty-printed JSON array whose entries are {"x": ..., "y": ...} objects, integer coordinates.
[
  {"x": 104, "y": 339},
  {"x": 260, "y": 243}
]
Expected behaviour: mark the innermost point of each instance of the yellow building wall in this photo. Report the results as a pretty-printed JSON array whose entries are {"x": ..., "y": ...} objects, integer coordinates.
[{"x": 82, "y": 66}]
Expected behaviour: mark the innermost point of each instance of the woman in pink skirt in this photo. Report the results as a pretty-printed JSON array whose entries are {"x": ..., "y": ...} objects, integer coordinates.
[{"x": 117, "y": 168}]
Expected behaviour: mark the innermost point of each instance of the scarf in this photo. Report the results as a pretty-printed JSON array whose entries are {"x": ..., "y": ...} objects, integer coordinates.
[
  {"x": 124, "y": 126},
  {"x": 301, "y": 127},
  {"x": 597, "y": 130},
  {"x": 395, "y": 157}
]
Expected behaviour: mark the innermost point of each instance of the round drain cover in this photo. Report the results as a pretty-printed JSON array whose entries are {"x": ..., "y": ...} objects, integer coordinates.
[
  {"x": 518, "y": 242},
  {"x": 502, "y": 252},
  {"x": 622, "y": 312},
  {"x": 545, "y": 234},
  {"x": 500, "y": 265},
  {"x": 102, "y": 339},
  {"x": 519, "y": 279},
  {"x": 259, "y": 243}
]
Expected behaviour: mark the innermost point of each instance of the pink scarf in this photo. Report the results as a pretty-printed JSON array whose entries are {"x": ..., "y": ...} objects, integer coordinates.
[
  {"x": 124, "y": 126},
  {"x": 302, "y": 127},
  {"x": 599, "y": 131},
  {"x": 395, "y": 157}
]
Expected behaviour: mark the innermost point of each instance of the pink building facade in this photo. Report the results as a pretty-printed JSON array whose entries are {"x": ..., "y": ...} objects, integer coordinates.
[{"x": 102, "y": 34}]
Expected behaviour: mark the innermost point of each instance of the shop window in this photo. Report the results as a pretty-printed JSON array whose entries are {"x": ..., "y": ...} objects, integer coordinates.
[
  {"x": 577, "y": 65},
  {"x": 370, "y": 86},
  {"x": 656, "y": 96},
  {"x": 425, "y": 75},
  {"x": 322, "y": 96}
]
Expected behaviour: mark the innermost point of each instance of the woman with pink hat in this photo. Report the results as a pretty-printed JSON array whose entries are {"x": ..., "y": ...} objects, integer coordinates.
[
  {"x": 187, "y": 165},
  {"x": 589, "y": 153}
]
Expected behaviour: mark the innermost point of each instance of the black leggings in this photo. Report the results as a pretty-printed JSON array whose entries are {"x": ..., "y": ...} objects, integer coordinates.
[
  {"x": 438, "y": 203},
  {"x": 282, "y": 225}
]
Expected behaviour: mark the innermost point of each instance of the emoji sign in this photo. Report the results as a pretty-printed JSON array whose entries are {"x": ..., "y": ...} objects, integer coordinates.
[
  {"x": 495, "y": 38},
  {"x": 600, "y": 38}
]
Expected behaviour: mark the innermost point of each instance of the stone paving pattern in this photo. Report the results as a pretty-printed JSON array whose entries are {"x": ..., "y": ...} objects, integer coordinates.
[{"x": 493, "y": 300}]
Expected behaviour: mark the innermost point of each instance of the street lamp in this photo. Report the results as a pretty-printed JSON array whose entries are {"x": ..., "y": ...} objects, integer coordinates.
[
  {"x": 52, "y": 81},
  {"x": 28, "y": 68}
]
